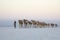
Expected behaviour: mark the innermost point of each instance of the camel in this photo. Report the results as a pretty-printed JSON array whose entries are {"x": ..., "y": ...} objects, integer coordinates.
[
  {"x": 20, "y": 23},
  {"x": 42, "y": 24},
  {"x": 56, "y": 25},
  {"x": 30, "y": 23},
  {"x": 52, "y": 25},
  {"x": 25, "y": 22},
  {"x": 48, "y": 25},
  {"x": 38, "y": 24},
  {"x": 34, "y": 23}
]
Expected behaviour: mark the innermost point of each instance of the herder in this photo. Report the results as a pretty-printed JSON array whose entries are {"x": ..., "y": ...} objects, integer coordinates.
[{"x": 14, "y": 24}]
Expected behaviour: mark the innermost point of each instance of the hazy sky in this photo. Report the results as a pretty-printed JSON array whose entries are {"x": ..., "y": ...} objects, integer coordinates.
[{"x": 41, "y": 9}]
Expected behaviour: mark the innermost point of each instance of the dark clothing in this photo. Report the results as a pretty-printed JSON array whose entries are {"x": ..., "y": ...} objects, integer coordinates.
[{"x": 14, "y": 24}]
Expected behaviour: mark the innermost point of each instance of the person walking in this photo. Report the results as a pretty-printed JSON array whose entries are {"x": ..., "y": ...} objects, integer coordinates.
[{"x": 14, "y": 24}]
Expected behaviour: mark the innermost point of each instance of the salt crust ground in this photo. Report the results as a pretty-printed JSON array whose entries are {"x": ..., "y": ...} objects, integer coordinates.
[{"x": 29, "y": 33}]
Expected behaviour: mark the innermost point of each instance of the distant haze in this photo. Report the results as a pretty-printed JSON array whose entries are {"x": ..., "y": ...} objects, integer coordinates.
[{"x": 30, "y": 9}]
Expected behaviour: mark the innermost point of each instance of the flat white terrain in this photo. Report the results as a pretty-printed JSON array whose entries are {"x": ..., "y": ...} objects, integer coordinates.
[{"x": 29, "y": 33}]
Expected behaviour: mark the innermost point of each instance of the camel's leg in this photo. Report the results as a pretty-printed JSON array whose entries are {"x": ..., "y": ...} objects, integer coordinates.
[
  {"x": 30, "y": 25},
  {"x": 20, "y": 25},
  {"x": 35, "y": 26},
  {"x": 25, "y": 25}
]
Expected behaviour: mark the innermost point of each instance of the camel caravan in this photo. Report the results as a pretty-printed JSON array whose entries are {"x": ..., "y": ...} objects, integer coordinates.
[{"x": 33, "y": 24}]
